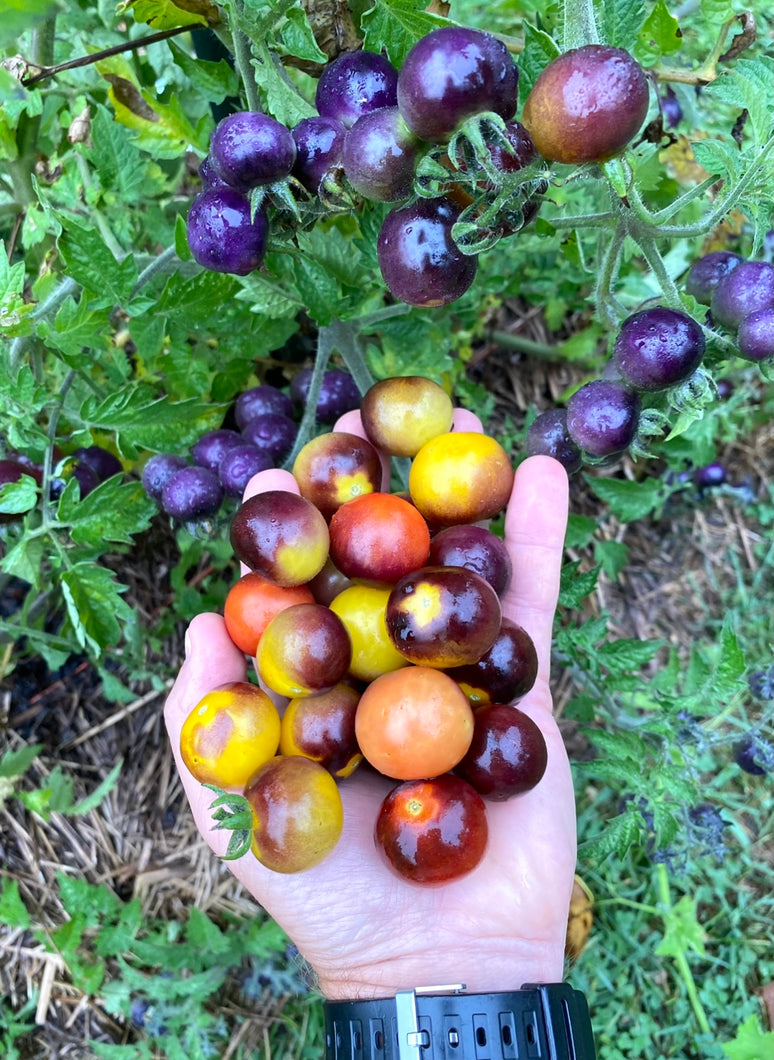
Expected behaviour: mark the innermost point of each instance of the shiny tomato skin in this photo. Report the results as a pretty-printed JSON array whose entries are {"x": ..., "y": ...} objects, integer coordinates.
[
  {"x": 413, "y": 723},
  {"x": 323, "y": 728},
  {"x": 252, "y": 602},
  {"x": 460, "y": 477},
  {"x": 297, "y": 813},
  {"x": 305, "y": 649},
  {"x": 361, "y": 608},
  {"x": 230, "y": 734},
  {"x": 378, "y": 538},
  {"x": 432, "y": 831}
]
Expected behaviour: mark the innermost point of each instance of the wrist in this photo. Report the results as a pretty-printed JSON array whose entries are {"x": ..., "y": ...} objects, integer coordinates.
[{"x": 504, "y": 965}]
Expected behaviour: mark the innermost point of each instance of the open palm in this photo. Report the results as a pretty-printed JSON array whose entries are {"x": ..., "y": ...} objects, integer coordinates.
[{"x": 364, "y": 931}]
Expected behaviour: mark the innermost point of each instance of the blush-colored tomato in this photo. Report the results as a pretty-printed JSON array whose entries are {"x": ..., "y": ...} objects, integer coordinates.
[
  {"x": 323, "y": 728},
  {"x": 305, "y": 649},
  {"x": 413, "y": 723},
  {"x": 230, "y": 734},
  {"x": 460, "y": 477},
  {"x": 378, "y": 538},
  {"x": 362, "y": 610},
  {"x": 252, "y": 603},
  {"x": 297, "y": 813}
]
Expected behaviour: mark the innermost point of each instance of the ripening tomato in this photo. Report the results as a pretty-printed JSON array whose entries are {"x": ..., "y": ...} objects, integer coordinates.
[
  {"x": 460, "y": 477},
  {"x": 413, "y": 723},
  {"x": 378, "y": 538},
  {"x": 323, "y": 728},
  {"x": 252, "y": 603},
  {"x": 230, "y": 734}
]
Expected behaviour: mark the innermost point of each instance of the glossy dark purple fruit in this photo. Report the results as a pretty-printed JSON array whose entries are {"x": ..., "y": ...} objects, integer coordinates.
[
  {"x": 503, "y": 674},
  {"x": 548, "y": 436},
  {"x": 221, "y": 235},
  {"x": 754, "y": 755},
  {"x": 101, "y": 461},
  {"x": 209, "y": 177},
  {"x": 249, "y": 148},
  {"x": 586, "y": 105},
  {"x": 657, "y": 348},
  {"x": 338, "y": 393},
  {"x": 507, "y": 755},
  {"x": 259, "y": 400},
  {"x": 419, "y": 261},
  {"x": 755, "y": 337},
  {"x": 159, "y": 470},
  {"x": 451, "y": 74},
  {"x": 379, "y": 156},
  {"x": 192, "y": 493},
  {"x": 746, "y": 289},
  {"x": 602, "y": 417},
  {"x": 272, "y": 432},
  {"x": 239, "y": 465},
  {"x": 318, "y": 147},
  {"x": 354, "y": 84},
  {"x": 705, "y": 273},
  {"x": 477, "y": 549},
  {"x": 209, "y": 450}
]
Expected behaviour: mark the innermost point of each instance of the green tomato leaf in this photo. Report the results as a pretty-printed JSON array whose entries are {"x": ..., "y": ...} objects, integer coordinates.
[
  {"x": 169, "y": 14},
  {"x": 94, "y": 604},
  {"x": 21, "y": 15},
  {"x": 215, "y": 81},
  {"x": 628, "y": 501},
  {"x": 749, "y": 86},
  {"x": 93, "y": 265},
  {"x": 396, "y": 26},
  {"x": 620, "y": 21},
  {"x": 660, "y": 35},
  {"x": 539, "y": 50},
  {"x": 751, "y": 1042},
  {"x": 282, "y": 99},
  {"x": 18, "y": 497},
  {"x": 13, "y": 911},
  {"x": 114, "y": 511},
  {"x": 297, "y": 36},
  {"x": 716, "y": 11},
  {"x": 115, "y": 157}
]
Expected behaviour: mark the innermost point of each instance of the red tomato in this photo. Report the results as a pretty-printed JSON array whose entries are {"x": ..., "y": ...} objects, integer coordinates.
[{"x": 252, "y": 603}]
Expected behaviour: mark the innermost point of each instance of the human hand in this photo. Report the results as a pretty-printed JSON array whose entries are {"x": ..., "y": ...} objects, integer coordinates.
[{"x": 365, "y": 932}]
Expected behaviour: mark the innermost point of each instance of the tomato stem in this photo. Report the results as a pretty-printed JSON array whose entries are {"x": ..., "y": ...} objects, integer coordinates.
[{"x": 580, "y": 24}]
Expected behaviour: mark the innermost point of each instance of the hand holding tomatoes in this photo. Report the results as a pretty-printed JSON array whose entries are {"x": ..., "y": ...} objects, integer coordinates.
[{"x": 502, "y": 924}]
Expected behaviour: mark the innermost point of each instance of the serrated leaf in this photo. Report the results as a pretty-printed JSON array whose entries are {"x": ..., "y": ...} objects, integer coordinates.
[
  {"x": 143, "y": 422},
  {"x": 618, "y": 836},
  {"x": 93, "y": 265},
  {"x": 92, "y": 801},
  {"x": 576, "y": 585},
  {"x": 95, "y": 606},
  {"x": 729, "y": 674},
  {"x": 25, "y": 560},
  {"x": 215, "y": 81},
  {"x": 683, "y": 930},
  {"x": 18, "y": 497},
  {"x": 282, "y": 99},
  {"x": 627, "y": 653},
  {"x": 660, "y": 35},
  {"x": 169, "y": 14},
  {"x": 628, "y": 501},
  {"x": 620, "y": 21},
  {"x": 751, "y": 1042},
  {"x": 77, "y": 332},
  {"x": 539, "y": 50},
  {"x": 749, "y": 86},
  {"x": 116, "y": 160},
  {"x": 396, "y": 25},
  {"x": 15, "y": 763},
  {"x": 716, "y": 11},
  {"x": 114, "y": 512}
]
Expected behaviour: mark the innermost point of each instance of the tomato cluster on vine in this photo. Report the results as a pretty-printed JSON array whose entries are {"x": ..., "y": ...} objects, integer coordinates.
[
  {"x": 377, "y": 618},
  {"x": 437, "y": 138}
]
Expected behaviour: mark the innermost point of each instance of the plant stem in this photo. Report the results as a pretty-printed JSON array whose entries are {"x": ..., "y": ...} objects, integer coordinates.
[
  {"x": 518, "y": 342},
  {"x": 48, "y": 307},
  {"x": 665, "y": 900},
  {"x": 308, "y": 422},
  {"x": 45, "y": 70},
  {"x": 580, "y": 24},
  {"x": 346, "y": 342},
  {"x": 243, "y": 59},
  {"x": 603, "y": 294},
  {"x": 157, "y": 265},
  {"x": 653, "y": 257}
]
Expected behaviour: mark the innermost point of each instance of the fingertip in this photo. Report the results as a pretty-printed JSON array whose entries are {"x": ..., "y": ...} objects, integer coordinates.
[
  {"x": 351, "y": 422},
  {"x": 466, "y": 421},
  {"x": 212, "y": 659},
  {"x": 275, "y": 478}
]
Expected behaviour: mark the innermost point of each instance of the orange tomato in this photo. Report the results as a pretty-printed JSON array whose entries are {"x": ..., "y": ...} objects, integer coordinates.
[
  {"x": 252, "y": 603},
  {"x": 460, "y": 477},
  {"x": 413, "y": 723},
  {"x": 378, "y": 538}
]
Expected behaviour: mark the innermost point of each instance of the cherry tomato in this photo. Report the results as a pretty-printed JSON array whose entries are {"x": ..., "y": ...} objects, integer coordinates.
[
  {"x": 323, "y": 728},
  {"x": 230, "y": 734},
  {"x": 252, "y": 603},
  {"x": 362, "y": 610},
  {"x": 460, "y": 477}
]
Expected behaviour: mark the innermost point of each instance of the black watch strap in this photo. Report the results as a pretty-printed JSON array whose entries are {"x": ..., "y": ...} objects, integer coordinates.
[{"x": 539, "y": 1022}]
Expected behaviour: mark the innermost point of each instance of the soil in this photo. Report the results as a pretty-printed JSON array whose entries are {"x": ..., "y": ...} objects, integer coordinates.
[{"x": 141, "y": 841}]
